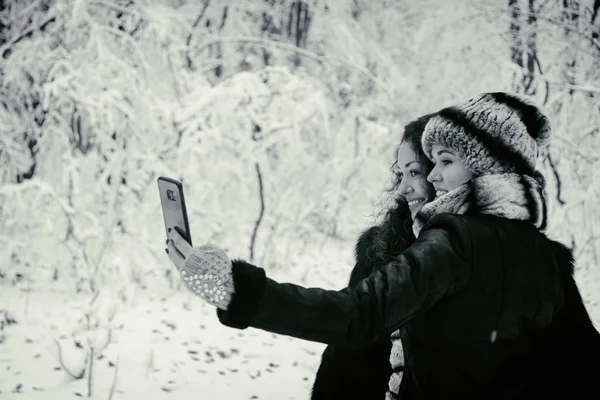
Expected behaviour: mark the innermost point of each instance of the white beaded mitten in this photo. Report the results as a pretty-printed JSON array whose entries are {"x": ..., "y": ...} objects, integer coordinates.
[{"x": 208, "y": 273}]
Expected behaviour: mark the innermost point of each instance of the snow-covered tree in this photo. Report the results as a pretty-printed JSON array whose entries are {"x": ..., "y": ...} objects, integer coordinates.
[{"x": 280, "y": 117}]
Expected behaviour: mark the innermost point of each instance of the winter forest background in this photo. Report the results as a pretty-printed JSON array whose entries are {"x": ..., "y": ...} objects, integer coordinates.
[{"x": 280, "y": 117}]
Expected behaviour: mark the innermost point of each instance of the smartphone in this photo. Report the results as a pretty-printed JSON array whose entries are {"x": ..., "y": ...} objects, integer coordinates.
[{"x": 173, "y": 206}]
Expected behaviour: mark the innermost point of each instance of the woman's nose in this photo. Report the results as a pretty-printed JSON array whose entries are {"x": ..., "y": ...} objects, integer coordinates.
[
  {"x": 404, "y": 188},
  {"x": 434, "y": 175}
]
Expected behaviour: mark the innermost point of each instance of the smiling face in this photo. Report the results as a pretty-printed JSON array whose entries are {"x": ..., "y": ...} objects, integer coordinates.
[
  {"x": 412, "y": 175},
  {"x": 449, "y": 172}
]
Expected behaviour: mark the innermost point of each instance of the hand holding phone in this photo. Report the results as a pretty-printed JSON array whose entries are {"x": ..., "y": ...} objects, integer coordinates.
[{"x": 173, "y": 207}]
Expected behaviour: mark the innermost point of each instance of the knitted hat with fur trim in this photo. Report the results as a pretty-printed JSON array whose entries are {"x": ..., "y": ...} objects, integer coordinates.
[{"x": 493, "y": 133}]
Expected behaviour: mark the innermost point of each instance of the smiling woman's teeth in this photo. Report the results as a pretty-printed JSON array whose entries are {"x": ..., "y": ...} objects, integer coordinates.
[
  {"x": 414, "y": 202},
  {"x": 440, "y": 193}
]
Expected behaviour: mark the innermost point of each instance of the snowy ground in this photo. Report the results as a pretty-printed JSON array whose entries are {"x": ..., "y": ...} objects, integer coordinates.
[
  {"x": 165, "y": 344},
  {"x": 158, "y": 343}
]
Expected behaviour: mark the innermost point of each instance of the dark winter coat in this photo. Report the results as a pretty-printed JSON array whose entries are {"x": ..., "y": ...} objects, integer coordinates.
[
  {"x": 356, "y": 373},
  {"x": 480, "y": 301},
  {"x": 567, "y": 354}
]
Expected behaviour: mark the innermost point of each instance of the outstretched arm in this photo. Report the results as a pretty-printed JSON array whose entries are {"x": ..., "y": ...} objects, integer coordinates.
[{"x": 437, "y": 264}]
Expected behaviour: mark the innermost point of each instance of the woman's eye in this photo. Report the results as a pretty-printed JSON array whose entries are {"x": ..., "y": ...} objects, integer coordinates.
[
  {"x": 446, "y": 162},
  {"x": 414, "y": 173}
]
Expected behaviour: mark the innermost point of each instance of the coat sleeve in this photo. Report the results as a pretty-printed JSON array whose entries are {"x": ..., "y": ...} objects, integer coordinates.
[{"x": 436, "y": 265}]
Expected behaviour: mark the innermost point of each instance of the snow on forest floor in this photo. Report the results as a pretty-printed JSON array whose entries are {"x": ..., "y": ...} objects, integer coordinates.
[
  {"x": 165, "y": 343},
  {"x": 169, "y": 346},
  {"x": 161, "y": 343}
]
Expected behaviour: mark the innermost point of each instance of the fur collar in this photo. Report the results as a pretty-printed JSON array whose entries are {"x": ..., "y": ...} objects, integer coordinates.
[{"x": 512, "y": 196}]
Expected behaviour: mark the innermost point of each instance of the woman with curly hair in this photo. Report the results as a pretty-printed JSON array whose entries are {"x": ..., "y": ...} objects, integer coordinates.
[{"x": 369, "y": 372}]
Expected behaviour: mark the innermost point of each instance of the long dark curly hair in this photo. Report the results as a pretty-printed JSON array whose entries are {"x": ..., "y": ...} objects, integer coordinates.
[
  {"x": 394, "y": 233},
  {"x": 364, "y": 372}
]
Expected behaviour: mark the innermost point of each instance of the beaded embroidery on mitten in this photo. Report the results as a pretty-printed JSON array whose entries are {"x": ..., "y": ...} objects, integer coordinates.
[
  {"x": 396, "y": 362},
  {"x": 208, "y": 273}
]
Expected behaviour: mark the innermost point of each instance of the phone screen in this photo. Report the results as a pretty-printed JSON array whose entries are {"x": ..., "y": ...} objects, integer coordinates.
[{"x": 173, "y": 206}]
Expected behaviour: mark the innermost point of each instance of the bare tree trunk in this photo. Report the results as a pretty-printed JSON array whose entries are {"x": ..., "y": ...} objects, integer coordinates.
[
  {"x": 516, "y": 44},
  {"x": 261, "y": 193},
  {"x": 269, "y": 27},
  {"x": 570, "y": 17},
  {"x": 28, "y": 136},
  {"x": 199, "y": 18},
  {"x": 523, "y": 46},
  {"x": 218, "y": 47},
  {"x": 529, "y": 83},
  {"x": 296, "y": 20},
  {"x": 596, "y": 31},
  {"x": 299, "y": 20},
  {"x": 2, "y": 26}
]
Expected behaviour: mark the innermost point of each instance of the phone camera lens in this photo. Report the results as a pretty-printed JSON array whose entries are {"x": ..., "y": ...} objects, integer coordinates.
[{"x": 171, "y": 195}]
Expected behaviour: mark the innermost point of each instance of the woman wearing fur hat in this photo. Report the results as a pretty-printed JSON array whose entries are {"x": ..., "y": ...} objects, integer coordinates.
[
  {"x": 368, "y": 372},
  {"x": 477, "y": 297}
]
